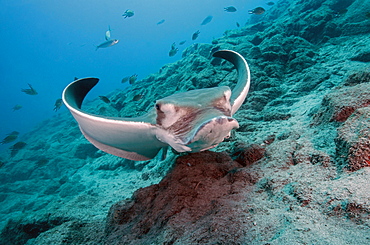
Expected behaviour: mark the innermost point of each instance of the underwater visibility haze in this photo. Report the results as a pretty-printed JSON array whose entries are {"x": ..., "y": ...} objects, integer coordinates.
[{"x": 49, "y": 43}]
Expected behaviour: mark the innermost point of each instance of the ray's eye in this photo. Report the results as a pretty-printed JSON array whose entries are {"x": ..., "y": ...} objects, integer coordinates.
[{"x": 158, "y": 107}]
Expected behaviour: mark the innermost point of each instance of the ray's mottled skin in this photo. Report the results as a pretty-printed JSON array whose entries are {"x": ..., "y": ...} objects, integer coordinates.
[{"x": 189, "y": 121}]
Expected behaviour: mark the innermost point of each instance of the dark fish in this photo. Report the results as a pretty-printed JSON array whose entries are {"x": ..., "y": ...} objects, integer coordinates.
[
  {"x": 215, "y": 49},
  {"x": 58, "y": 103},
  {"x": 258, "y": 11},
  {"x": 237, "y": 24},
  {"x": 270, "y": 3},
  {"x": 41, "y": 162},
  {"x": 16, "y": 147},
  {"x": 128, "y": 13},
  {"x": 9, "y": 138},
  {"x": 30, "y": 91},
  {"x": 133, "y": 79},
  {"x": 75, "y": 79},
  {"x": 104, "y": 98},
  {"x": 173, "y": 50},
  {"x": 14, "y": 133},
  {"x": 230, "y": 9},
  {"x": 17, "y": 107},
  {"x": 102, "y": 110},
  {"x": 341, "y": 12},
  {"x": 207, "y": 20},
  {"x": 195, "y": 35},
  {"x": 137, "y": 97},
  {"x": 19, "y": 145},
  {"x": 160, "y": 22},
  {"x": 182, "y": 42},
  {"x": 125, "y": 79}
]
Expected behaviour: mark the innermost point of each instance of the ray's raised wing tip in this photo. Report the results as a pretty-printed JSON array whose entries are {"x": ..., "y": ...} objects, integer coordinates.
[
  {"x": 75, "y": 92},
  {"x": 91, "y": 79},
  {"x": 83, "y": 83},
  {"x": 241, "y": 88},
  {"x": 222, "y": 53}
]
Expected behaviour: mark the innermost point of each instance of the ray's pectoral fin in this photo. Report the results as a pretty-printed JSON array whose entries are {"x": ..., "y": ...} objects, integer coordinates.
[{"x": 131, "y": 138}]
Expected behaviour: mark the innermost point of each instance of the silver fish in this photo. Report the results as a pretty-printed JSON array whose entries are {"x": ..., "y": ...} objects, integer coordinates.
[
  {"x": 107, "y": 34},
  {"x": 107, "y": 44}
]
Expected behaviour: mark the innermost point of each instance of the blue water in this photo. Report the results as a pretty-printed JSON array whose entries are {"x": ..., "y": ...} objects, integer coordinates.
[{"x": 48, "y": 43}]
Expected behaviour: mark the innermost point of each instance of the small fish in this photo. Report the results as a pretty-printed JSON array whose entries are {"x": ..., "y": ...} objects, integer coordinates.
[
  {"x": 19, "y": 145},
  {"x": 107, "y": 44},
  {"x": 206, "y": 20},
  {"x": 128, "y": 13},
  {"x": 160, "y": 22},
  {"x": 42, "y": 162},
  {"x": 182, "y": 42},
  {"x": 107, "y": 34},
  {"x": 215, "y": 49},
  {"x": 195, "y": 35},
  {"x": 58, "y": 103},
  {"x": 16, "y": 147},
  {"x": 75, "y": 79},
  {"x": 125, "y": 79},
  {"x": 137, "y": 97},
  {"x": 173, "y": 50},
  {"x": 133, "y": 79},
  {"x": 341, "y": 12},
  {"x": 30, "y": 91},
  {"x": 258, "y": 11},
  {"x": 230, "y": 9},
  {"x": 17, "y": 107},
  {"x": 270, "y": 3},
  {"x": 104, "y": 98},
  {"x": 237, "y": 24},
  {"x": 102, "y": 110},
  {"x": 14, "y": 133},
  {"x": 9, "y": 138}
]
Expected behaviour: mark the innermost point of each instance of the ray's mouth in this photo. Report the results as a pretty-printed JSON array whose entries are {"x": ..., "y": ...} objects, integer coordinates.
[
  {"x": 219, "y": 121},
  {"x": 210, "y": 133}
]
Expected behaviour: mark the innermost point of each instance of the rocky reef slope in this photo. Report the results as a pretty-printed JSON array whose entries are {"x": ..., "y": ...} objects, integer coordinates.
[{"x": 295, "y": 172}]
